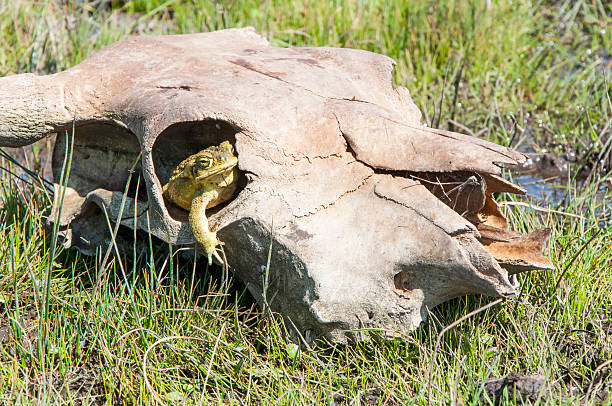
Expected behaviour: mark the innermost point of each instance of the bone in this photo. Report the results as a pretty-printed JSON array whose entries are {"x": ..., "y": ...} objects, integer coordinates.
[
  {"x": 371, "y": 219},
  {"x": 30, "y": 107}
]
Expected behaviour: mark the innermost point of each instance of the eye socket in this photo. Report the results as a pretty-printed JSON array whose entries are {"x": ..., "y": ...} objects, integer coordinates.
[{"x": 204, "y": 162}]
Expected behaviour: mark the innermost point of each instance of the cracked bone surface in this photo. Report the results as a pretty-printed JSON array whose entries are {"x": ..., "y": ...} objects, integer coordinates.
[{"x": 376, "y": 218}]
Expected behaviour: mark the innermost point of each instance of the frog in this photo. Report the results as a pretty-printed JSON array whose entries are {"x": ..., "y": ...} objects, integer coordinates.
[{"x": 201, "y": 181}]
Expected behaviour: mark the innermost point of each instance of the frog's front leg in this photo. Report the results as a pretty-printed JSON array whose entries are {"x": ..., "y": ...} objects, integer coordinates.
[{"x": 199, "y": 225}]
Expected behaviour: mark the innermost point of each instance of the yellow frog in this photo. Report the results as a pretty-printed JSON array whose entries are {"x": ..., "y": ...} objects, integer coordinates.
[{"x": 204, "y": 180}]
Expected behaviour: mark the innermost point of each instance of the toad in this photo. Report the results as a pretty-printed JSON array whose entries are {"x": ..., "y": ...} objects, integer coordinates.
[{"x": 201, "y": 181}]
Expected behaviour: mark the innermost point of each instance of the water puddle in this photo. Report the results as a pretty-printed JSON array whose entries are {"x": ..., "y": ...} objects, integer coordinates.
[
  {"x": 545, "y": 177},
  {"x": 552, "y": 182}
]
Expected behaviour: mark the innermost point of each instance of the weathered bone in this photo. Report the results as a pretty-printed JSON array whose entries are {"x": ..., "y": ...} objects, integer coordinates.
[{"x": 376, "y": 218}]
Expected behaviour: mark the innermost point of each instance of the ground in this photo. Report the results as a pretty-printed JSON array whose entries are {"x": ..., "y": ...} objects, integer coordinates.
[{"x": 151, "y": 325}]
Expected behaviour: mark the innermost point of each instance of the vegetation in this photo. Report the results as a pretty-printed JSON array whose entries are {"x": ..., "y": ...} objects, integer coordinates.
[{"x": 153, "y": 326}]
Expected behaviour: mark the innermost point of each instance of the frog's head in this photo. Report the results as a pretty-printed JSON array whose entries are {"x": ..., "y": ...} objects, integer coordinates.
[{"x": 213, "y": 160}]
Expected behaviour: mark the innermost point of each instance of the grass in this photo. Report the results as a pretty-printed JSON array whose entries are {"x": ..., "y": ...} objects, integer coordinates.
[{"x": 141, "y": 327}]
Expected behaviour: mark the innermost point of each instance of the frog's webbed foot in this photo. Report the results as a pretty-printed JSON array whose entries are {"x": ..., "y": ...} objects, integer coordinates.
[{"x": 199, "y": 226}]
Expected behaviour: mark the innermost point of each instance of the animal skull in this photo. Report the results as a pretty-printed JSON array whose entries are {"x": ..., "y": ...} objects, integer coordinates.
[{"x": 373, "y": 217}]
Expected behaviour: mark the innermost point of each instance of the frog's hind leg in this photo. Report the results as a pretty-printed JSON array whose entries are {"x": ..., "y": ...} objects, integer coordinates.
[{"x": 199, "y": 225}]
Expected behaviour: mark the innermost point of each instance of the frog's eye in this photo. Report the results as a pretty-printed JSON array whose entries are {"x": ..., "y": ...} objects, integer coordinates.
[{"x": 204, "y": 162}]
